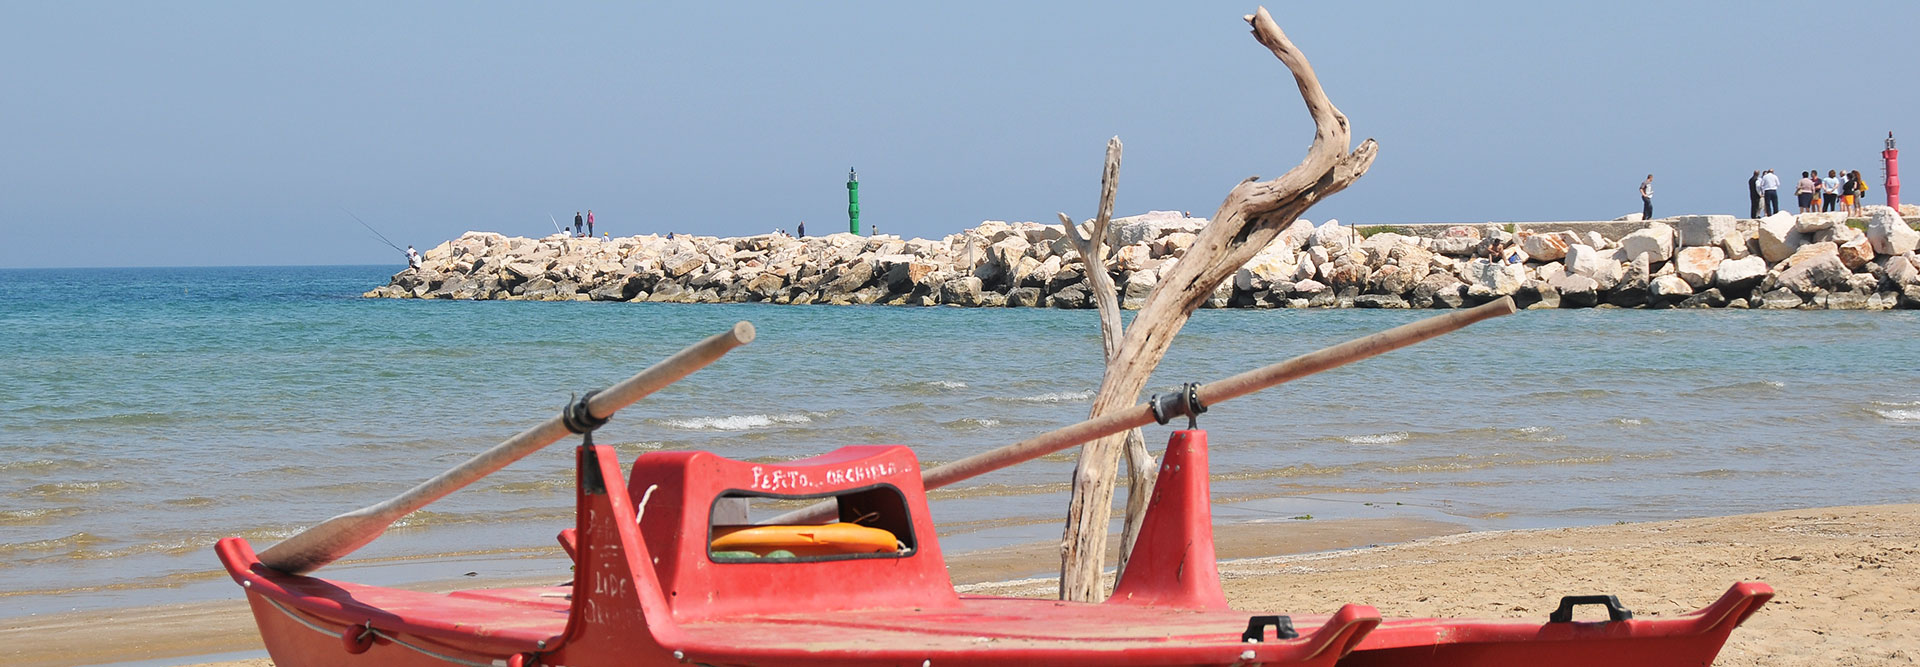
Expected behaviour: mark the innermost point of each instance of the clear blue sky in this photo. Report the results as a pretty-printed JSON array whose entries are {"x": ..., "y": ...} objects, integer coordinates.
[{"x": 166, "y": 134}]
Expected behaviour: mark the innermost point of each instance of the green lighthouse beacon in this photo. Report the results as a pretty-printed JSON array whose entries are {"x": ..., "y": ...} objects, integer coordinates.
[{"x": 853, "y": 201}]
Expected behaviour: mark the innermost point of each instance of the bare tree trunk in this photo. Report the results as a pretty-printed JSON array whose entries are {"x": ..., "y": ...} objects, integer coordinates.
[
  {"x": 1253, "y": 214},
  {"x": 1093, "y": 253}
]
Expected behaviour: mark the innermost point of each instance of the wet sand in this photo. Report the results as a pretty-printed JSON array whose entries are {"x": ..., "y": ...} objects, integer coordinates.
[{"x": 1848, "y": 582}]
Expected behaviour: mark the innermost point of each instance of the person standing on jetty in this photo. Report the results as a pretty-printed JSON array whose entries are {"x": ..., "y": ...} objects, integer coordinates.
[
  {"x": 1753, "y": 195},
  {"x": 801, "y": 229},
  {"x": 1803, "y": 192},
  {"x": 576, "y": 223},
  {"x": 1830, "y": 190},
  {"x": 413, "y": 258},
  {"x": 1770, "y": 187},
  {"x": 1646, "y": 198},
  {"x": 589, "y": 223}
]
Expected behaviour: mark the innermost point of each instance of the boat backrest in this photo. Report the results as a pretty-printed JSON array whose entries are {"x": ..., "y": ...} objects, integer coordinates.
[
  {"x": 617, "y": 602},
  {"x": 678, "y": 495}
]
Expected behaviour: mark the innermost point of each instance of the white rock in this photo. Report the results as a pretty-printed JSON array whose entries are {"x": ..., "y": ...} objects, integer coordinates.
[
  {"x": 1808, "y": 223},
  {"x": 1699, "y": 230},
  {"x": 1656, "y": 242},
  {"x": 1669, "y": 287},
  {"x": 1583, "y": 260},
  {"x": 1333, "y": 237},
  {"x": 1889, "y": 234},
  {"x": 1740, "y": 274},
  {"x": 1150, "y": 226},
  {"x": 1777, "y": 239},
  {"x": 1736, "y": 246},
  {"x": 1501, "y": 279},
  {"x": 1696, "y": 265},
  {"x": 1544, "y": 247}
]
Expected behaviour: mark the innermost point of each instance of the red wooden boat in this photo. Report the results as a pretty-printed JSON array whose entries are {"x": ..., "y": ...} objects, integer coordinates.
[{"x": 649, "y": 589}]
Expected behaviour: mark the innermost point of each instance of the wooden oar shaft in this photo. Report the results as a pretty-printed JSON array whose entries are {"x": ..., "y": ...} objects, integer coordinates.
[
  {"x": 315, "y": 547},
  {"x": 1210, "y": 393}
]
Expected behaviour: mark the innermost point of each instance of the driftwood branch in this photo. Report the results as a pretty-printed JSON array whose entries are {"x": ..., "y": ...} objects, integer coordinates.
[
  {"x": 1092, "y": 247},
  {"x": 1252, "y": 215}
]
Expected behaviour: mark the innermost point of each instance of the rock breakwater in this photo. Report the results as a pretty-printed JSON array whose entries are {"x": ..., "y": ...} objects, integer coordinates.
[{"x": 1815, "y": 260}]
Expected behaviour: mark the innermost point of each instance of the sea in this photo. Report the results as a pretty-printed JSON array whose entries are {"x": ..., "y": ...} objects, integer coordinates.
[{"x": 147, "y": 412}]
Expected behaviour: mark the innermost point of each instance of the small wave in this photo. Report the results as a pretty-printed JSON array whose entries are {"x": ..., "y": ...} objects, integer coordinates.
[
  {"x": 1630, "y": 421},
  {"x": 37, "y": 515},
  {"x": 1739, "y": 388},
  {"x": 1899, "y": 415},
  {"x": 538, "y": 486},
  {"x": 74, "y": 542},
  {"x": 1054, "y": 397},
  {"x": 56, "y": 490},
  {"x": 193, "y": 501},
  {"x": 731, "y": 422},
  {"x": 1376, "y": 438},
  {"x": 971, "y": 423},
  {"x": 1563, "y": 395},
  {"x": 43, "y": 466},
  {"x": 929, "y": 387}
]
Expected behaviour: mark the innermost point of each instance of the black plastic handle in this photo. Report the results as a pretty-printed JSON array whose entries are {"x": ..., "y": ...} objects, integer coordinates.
[
  {"x": 1257, "y": 628},
  {"x": 1564, "y": 614}
]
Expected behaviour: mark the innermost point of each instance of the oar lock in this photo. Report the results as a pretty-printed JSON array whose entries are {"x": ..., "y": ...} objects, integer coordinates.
[
  {"x": 578, "y": 419},
  {"x": 1187, "y": 402}
]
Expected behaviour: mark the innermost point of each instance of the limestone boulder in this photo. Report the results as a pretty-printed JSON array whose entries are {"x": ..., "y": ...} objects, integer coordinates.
[
  {"x": 1777, "y": 238},
  {"x": 1889, "y": 234},
  {"x": 1737, "y": 246},
  {"x": 1545, "y": 247},
  {"x": 1696, "y": 264},
  {"x": 1899, "y": 270},
  {"x": 1655, "y": 242},
  {"x": 1499, "y": 278},
  {"x": 1780, "y": 299},
  {"x": 1856, "y": 253},
  {"x": 1294, "y": 237},
  {"x": 1808, "y": 223},
  {"x": 1703, "y": 230},
  {"x": 1584, "y": 260},
  {"x": 682, "y": 264},
  {"x": 1139, "y": 285},
  {"x": 1576, "y": 291},
  {"x": 1133, "y": 257},
  {"x": 1807, "y": 272},
  {"x": 1333, "y": 237},
  {"x": 1379, "y": 301},
  {"x": 1392, "y": 279},
  {"x": 1176, "y": 244},
  {"x": 1739, "y": 276},
  {"x": 1344, "y": 273},
  {"x": 962, "y": 291},
  {"x": 1151, "y": 226},
  {"x": 1667, "y": 290},
  {"x": 766, "y": 285},
  {"x": 1438, "y": 290}
]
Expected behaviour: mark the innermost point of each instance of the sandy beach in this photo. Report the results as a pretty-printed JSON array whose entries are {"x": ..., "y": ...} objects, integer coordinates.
[{"x": 1848, "y": 588}]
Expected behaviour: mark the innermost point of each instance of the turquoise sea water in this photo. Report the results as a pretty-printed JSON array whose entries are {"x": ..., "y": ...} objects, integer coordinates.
[{"x": 145, "y": 413}]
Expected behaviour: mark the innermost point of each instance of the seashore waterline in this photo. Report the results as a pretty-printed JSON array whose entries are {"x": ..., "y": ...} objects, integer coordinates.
[{"x": 144, "y": 413}]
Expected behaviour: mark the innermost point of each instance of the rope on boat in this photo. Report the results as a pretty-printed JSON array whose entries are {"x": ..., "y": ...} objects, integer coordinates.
[{"x": 377, "y": 633}]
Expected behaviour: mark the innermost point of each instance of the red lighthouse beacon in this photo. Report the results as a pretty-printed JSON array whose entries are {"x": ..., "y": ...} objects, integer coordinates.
[{"x": 1891, "y": 156}]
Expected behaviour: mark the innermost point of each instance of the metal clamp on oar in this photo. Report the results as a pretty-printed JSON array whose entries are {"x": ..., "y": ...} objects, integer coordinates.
[
  {"x": 1167, "y": 406},
  {"x": 578, "y": 419}
]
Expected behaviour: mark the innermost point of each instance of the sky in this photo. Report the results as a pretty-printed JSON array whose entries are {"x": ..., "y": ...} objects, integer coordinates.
[{"x": 230, "y": 133}]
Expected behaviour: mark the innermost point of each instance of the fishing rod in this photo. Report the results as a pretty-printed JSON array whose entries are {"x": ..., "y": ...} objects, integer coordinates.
[
  {"x": 376, "y": 232},
  {"x": 556, "y": 224}
]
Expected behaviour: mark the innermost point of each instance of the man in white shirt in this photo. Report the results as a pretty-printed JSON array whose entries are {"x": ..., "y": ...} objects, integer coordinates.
[
  {"x": 413, "y": 258},
  {"x": 1832, "y": 192},
  {"x": 1770, "y": 184}
]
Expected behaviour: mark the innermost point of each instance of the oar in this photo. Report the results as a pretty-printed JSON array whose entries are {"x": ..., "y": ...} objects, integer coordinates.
[
  {"x": 336, "y": 537},
  {"x": 1207, "y": 394}
]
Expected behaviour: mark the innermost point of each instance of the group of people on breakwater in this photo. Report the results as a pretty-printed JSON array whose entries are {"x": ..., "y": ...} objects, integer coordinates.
[{"x": 1846, "y": 189}]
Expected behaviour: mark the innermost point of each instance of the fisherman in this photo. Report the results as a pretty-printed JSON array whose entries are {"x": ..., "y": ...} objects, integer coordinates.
[
  {"x": 413, "y": 258},
  {"x": 576, "y": 223}
]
